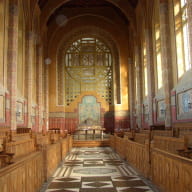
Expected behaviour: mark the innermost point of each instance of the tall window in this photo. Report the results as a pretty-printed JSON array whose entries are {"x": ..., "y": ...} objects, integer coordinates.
[
  {"x": 158, "y": 56},
  {"x": 21, "y": 51},
  {"x": 145, "y": 69},
  {"x": 3, "y": 39},
  {"x": 182, "y": 36},
  {"x": 88, "y": 67}
]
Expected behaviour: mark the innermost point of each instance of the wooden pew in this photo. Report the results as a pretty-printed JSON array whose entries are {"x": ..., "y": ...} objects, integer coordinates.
[
  {"x": 169, "y": 144},
  {"x": 181, "y": 129},
  {"x": 21, "y": 130},
  {"x": 5, "y": 157}
]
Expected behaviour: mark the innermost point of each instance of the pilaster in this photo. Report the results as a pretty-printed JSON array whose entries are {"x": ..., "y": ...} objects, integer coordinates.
[
  {"x": 40, "y": 87},
  {"x": 139, "y": 86},
  {"x": 47, "y": 97},
  {"x": 131, "y": 92},
  {"x": 150, "y": 74},
  {"x": 166, "y": 58},
  {"x": 30, "y": 53},
  {"x": 12, "y": 59}
]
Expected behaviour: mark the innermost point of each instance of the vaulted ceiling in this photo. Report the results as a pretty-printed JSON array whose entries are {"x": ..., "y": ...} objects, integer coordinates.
[
  {"x": 50, "y": 9},
  {"x": 42, "y": 3}
]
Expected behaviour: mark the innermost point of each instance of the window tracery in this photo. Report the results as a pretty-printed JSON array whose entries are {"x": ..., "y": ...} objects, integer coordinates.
[{"x": 88, "y": 67}]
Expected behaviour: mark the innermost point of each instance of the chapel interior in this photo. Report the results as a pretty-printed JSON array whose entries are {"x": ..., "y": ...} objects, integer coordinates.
[{"x": 96, "y": 95}]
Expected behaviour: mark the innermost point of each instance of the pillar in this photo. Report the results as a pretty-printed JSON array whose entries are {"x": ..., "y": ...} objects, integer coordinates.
[
  {"x": 139, "y": 86},
  {"x": 30, "y": 53},
  {"x": 12, "y": 60},
  {"x": 131, "y": 92},
  {"x": 40, "y": 87},
  {"x": 166, "y": 58},
  {"x": 47, "y": 96},
  {"x": 150, "y": 73}
]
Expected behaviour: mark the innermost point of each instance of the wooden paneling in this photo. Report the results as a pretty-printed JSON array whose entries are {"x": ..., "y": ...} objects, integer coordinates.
[
  {"x": 171, "y": 172},
  {"x": 138, "y": 155},
  {"x": 162, "y": 133},
  {"x": 112, "y": 141},
  {"x": 120, "y": 144},
  {"x": 64, "y": 147},
  {"x": 158, "y": 161},
  {"x": 52, "y": 158},
  {"x": 181, "y": 129},
  {"x": 30, "y": 168},
  {"x": 88, "y": 143},
  {"x": 141, "y": 137},
  {"x": 20, "y": 148},
  {"x": 169, "y": 144},
  {"x": 25, "y": 175}
]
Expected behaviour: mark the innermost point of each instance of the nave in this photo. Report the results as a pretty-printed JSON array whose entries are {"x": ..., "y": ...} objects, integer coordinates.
[{"x": 96, "y": 169}]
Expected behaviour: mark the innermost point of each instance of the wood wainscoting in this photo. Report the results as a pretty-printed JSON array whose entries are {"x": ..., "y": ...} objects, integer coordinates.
[
  {"x": 157, "y": 159},
  {"x": 91, "y": 143},
  {"x": 35, "y": 159}
]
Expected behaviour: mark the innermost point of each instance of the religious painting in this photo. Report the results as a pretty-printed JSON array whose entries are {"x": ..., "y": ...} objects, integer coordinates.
[
  {"x": 161, "y": 109},
  {"x": 89, "y": 109},
  {"x": 185, "y": 102},
  {"x": 20, "y": 112}
]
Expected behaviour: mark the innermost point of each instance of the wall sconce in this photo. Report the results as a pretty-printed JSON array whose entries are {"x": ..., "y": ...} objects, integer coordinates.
[{"x": 190, "y": 105}]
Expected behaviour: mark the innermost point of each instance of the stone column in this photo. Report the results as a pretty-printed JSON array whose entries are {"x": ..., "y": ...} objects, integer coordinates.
[
  {"x": 166, "y": 58},
  {"x": 12, "y": 60},
  {"x": 150, "y": 73},
  {"x": 30, "y": 53},
  {"x": 131, "y": 92},
  {"x": 40, "y": 87},
  {"x": 47, "y": 96},
  {"x": 139, "y": 86}
]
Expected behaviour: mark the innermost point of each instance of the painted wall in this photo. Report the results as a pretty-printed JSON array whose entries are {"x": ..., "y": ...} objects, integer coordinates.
[{"x": 72, "y": 120}]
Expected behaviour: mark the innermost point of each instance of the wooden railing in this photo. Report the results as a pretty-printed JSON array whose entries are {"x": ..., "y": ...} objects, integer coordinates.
[
  {"x": 169, "y": 144},
  {"x": 30, "y": 168},
  {"x": 25, "y": 175},
  {"x": 158, "y": 160},
  {"x": 138, "y": 155},
  {"x": 20, "y": 148},
  {"x": 52, "y": 154},
  {"x": 112, "y": 141},
  {"x": 165, "y": 133},
  {"x": 171, "y": 172},
  {"x": 42, "y": 139},
  {"x": 120, "y": 146},
  {"x": 141, "y": 137}
]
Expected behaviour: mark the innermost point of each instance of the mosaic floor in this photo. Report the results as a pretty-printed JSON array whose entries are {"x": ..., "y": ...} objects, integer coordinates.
[{"x": 96, "y": 170}]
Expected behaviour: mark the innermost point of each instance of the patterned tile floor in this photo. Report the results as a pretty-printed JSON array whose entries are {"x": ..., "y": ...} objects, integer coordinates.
[{"x": 96, "y": 170}]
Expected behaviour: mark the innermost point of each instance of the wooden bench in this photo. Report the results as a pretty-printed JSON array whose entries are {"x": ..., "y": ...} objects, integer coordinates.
[
  {"x": 157, "y": 127},
  {"x": 169, "y": 144},
  {"x": 5, "y": 157},
  {"x": 21, "y": 130},
  {"x": 181, "y": 129}
]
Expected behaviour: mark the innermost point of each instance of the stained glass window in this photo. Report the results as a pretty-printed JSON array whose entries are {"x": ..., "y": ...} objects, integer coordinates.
[{"x": 88, "y": 67}]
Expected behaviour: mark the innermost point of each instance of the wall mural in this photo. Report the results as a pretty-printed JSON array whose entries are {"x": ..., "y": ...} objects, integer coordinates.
[
  {"x": 146, "y": 113},
  {"x": 161, "y": 109},
  {"x": 185, "y": 102},
  {"x": 89, "y": 109}
]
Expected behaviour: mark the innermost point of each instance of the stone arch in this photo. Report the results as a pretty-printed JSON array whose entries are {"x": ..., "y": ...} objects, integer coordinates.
[
  {"x": 90, "y": 31},
  {"x": 46, "y": 12}
]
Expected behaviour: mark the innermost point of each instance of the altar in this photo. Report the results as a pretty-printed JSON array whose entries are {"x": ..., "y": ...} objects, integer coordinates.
[{"x": 90, "y": 130}]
